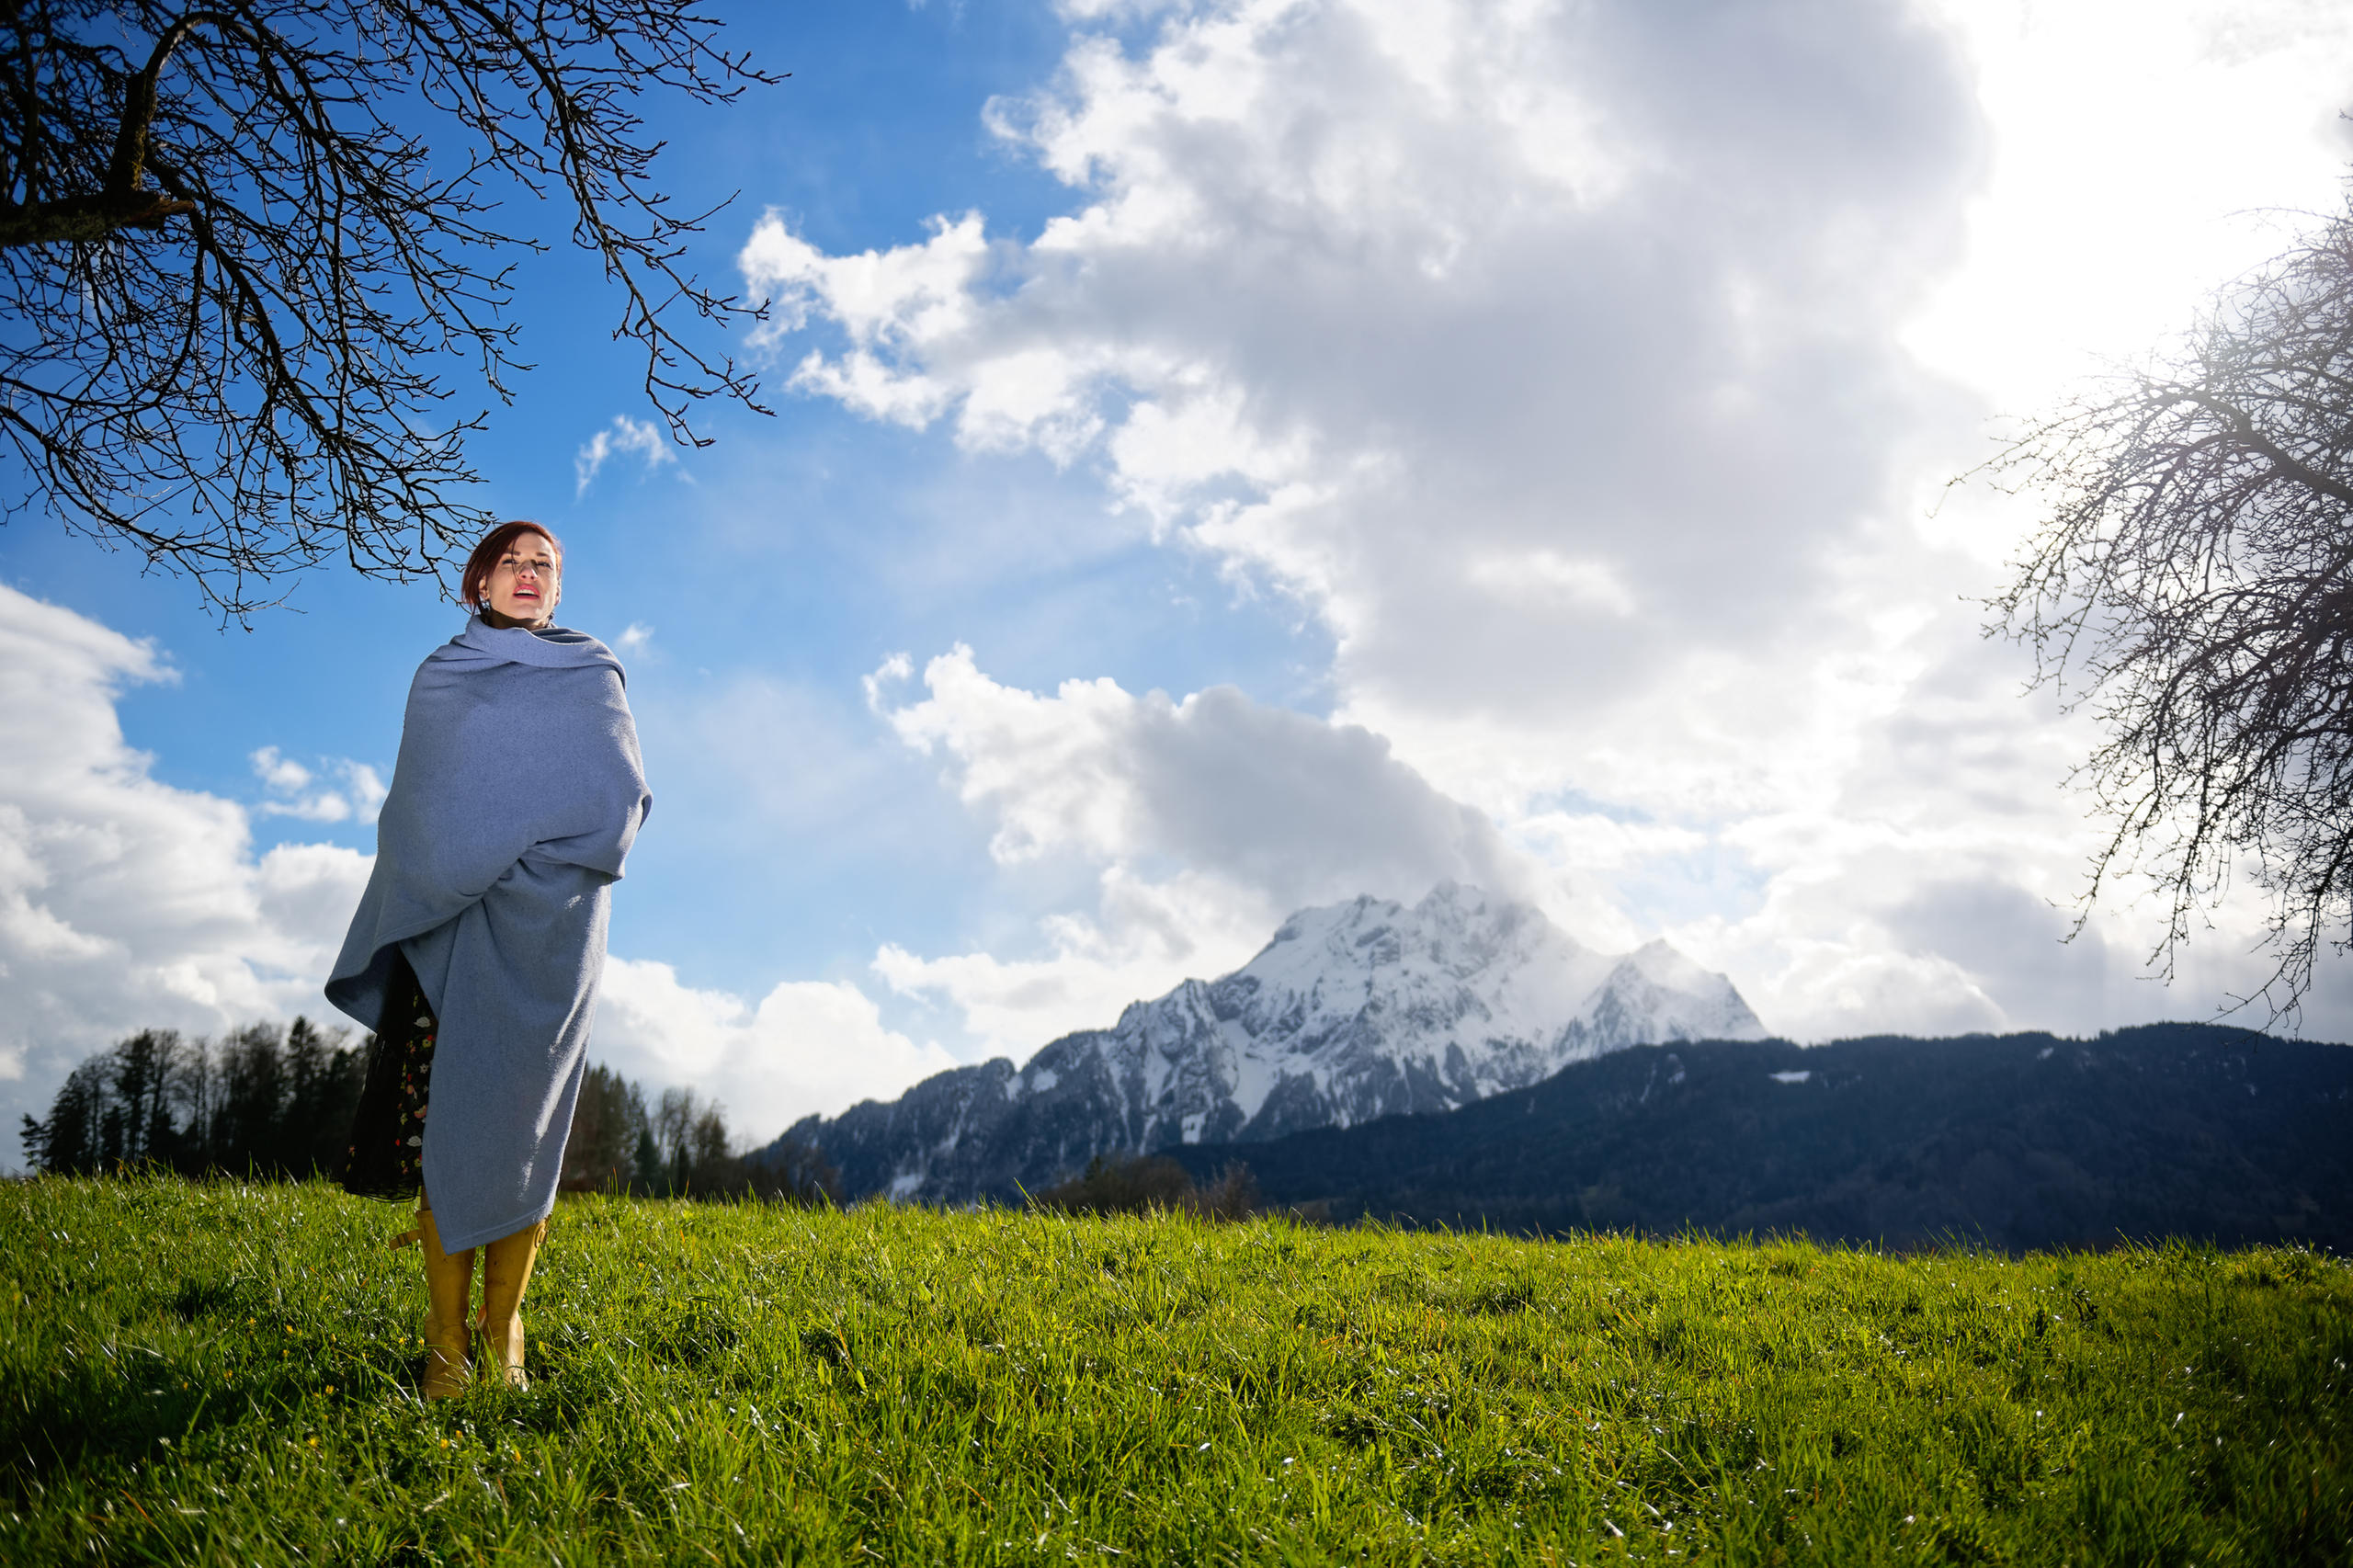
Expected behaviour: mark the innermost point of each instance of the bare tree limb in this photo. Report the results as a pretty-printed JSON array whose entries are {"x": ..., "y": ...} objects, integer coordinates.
[
  {"x": 2193, "y": 580},
  {"x": 250, "y": 255}
]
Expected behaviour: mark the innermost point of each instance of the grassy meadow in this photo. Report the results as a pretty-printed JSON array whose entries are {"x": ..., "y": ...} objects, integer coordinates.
[{"x": 215, "y": 1373}]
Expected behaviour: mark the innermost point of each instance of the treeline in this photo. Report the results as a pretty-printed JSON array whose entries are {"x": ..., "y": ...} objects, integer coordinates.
[
  {"x": 679, "y": 1146},
  {"x": 265, "y": 1103}
]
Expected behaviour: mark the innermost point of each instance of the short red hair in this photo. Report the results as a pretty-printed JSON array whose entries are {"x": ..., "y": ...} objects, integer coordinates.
[{"x": 491, "y": 551}]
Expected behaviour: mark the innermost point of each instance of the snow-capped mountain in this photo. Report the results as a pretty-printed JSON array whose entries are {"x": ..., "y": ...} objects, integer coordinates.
[{"x": 1353, "y": 1011}]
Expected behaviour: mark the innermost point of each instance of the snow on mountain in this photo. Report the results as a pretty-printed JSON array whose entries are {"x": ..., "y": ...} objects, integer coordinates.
[{"x": 1351, "y": 1012}]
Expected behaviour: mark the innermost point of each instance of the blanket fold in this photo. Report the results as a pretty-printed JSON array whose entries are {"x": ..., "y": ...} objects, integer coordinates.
[{"x": 518, "y": 793}]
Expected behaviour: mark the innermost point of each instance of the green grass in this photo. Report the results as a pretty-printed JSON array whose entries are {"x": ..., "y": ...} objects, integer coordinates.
[{"x": 218, "y": 1374}]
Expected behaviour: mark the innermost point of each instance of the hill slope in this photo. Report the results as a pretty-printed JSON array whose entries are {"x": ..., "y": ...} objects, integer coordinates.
[
  {"x": 2026, "y": 1140},
  {"x": 212, "y": 1373}
]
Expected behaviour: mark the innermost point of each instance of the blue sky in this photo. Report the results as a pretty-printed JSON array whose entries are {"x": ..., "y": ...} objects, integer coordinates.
[{"x": 1239, "y": 453}]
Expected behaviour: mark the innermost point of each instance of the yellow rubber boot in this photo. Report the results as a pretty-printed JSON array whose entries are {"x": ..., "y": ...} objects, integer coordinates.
[
  {"x": 449, "y": 1281},
  {"x": 505, "y": 1271}
]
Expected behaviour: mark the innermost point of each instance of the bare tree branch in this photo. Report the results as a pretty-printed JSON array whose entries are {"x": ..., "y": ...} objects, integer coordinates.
[
  {"x": 240, "y": 247},
  {"x": 2193, "y": 581}
]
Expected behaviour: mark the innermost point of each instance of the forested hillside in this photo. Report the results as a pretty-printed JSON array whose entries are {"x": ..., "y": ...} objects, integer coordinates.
[{"x": 2025, "y": 1141}]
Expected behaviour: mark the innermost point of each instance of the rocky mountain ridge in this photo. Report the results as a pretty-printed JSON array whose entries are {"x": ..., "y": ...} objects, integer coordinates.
[{"x": 1350, "y": 1012}]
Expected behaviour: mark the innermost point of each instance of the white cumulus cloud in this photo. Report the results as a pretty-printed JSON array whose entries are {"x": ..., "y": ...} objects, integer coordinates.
[
  {"x": 294, "y": 790},
  {"x": 1541, "y": 349},
  {"x": 807, "y": 1046},
  {"x": 124, "y": 903},
  {"x": 1589, "y": 371},
  {"x": 625, "y": 436},
  {"x": 1199, "y": 823}
]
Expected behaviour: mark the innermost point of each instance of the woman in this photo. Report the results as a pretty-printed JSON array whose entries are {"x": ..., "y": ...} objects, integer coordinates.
[{"x": 479, "y": 944}]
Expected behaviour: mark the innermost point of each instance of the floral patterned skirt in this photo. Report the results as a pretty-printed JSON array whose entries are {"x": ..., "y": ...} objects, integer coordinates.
[{"x": 386, "y": 1154}]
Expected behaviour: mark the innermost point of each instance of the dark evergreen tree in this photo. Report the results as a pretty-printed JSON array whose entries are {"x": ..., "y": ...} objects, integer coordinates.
[
  {"x": 322, "y": 1084},
  {"x": 110, "y": 1136},
  {"x": 249, "y": 1130},
  {"x": 196, "y": 1098},
  {"x": 602, "y": 1154},
  {"x": 67, "y": 1142},
  {"x": 641, "y": 1120},
  {"x": 142, "y": 1067},
  {"x": 649, "y": 1164},
  {"x": 709, "y": 1164}
]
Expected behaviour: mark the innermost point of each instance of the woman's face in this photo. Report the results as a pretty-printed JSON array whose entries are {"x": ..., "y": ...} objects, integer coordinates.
[{"x": 525, "y": 584}]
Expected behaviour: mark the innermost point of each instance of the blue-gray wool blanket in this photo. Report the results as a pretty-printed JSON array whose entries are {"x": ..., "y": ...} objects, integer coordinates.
[{"x": 517, "y": 796}]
